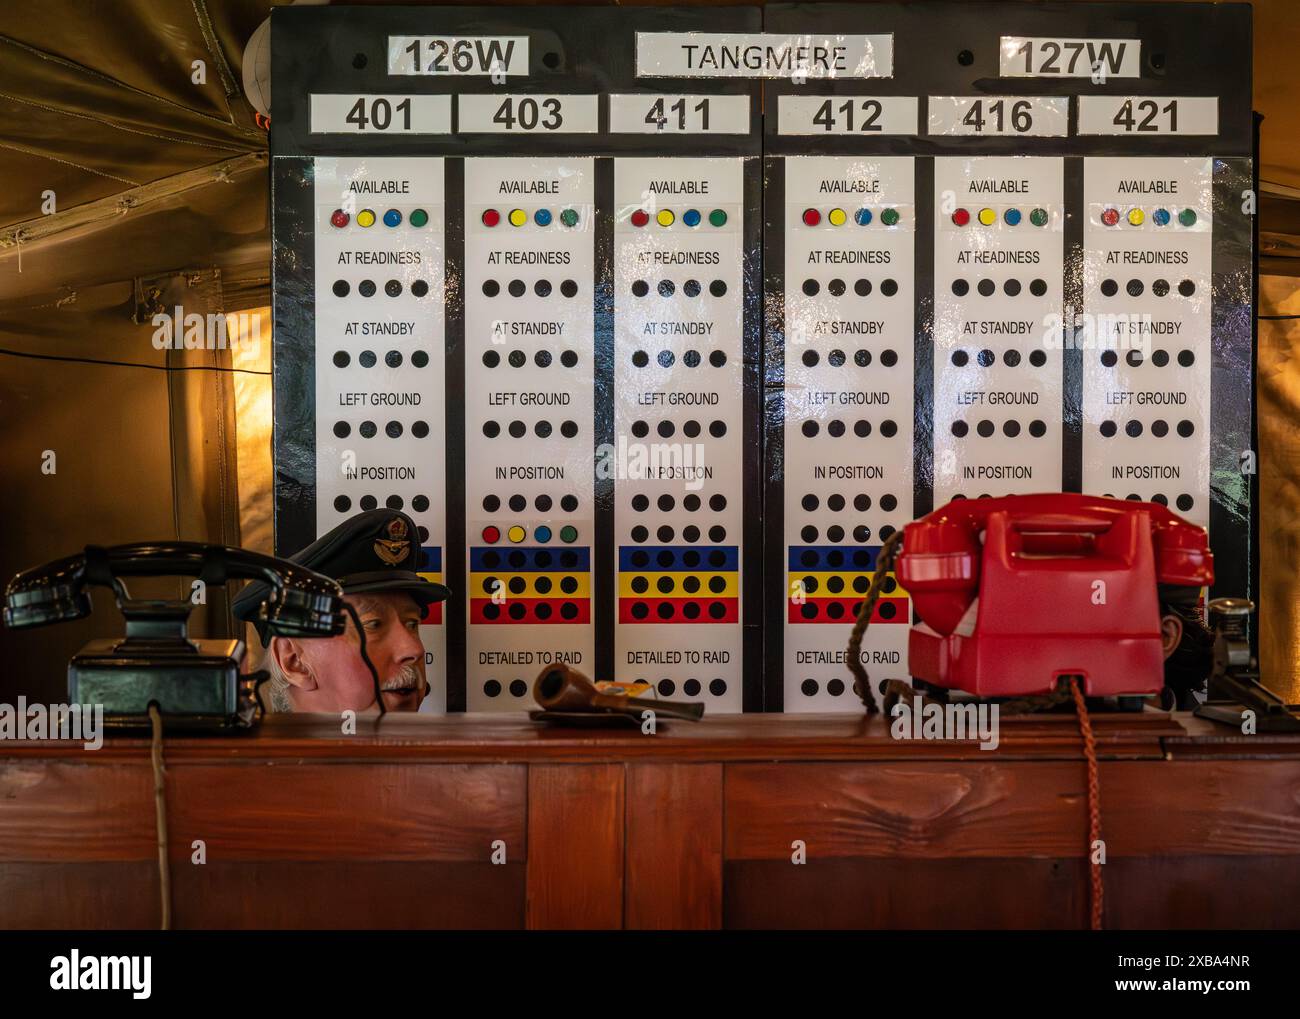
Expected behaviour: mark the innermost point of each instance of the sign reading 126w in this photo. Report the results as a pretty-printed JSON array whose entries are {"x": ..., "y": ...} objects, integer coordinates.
[{"x": 443, "y": 55}]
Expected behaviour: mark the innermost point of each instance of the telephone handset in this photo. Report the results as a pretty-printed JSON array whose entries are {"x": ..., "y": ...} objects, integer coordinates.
[
  {"x": 1014, "y": 593},
  {"x": 196, "y": 683}
]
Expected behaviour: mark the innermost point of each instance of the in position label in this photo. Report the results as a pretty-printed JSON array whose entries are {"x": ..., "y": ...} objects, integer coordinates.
[
  {"x": 850, "y": 232},
  {"x": 678, "y": 425},
  {"x": 1145, "y": 333},
  {"x": 997, "y": 326},
  {"x": 379, "y": 357},
  {"x": 529, "y": 333}
]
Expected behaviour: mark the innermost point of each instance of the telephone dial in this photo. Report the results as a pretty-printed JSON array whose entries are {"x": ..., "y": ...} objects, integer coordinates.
[
  {"x": 197, "y": 684},
  {"x": 1015, "y": 593}
]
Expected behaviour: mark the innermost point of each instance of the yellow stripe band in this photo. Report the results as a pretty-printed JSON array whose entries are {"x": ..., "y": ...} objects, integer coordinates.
[
  {"x": 823, "y": 589},
  {"x": 730, "y": 589},
  {"x": 478, "y": 585}
]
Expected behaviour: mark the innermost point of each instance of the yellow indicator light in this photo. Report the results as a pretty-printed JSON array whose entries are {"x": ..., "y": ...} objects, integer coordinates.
[
  {"x": 1136, "y": 216},
  {"x": 365, "y": 217},
  {"x": 516, "y": 533},
  {"x": 988, "y": 217},
  {"x": 837, "y": 217},
  {"x": 665, "y": 217},
  {"x": 518, "y": 217}
]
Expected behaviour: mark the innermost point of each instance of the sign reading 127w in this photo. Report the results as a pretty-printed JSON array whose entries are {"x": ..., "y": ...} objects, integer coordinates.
[{"x": 1035, "y": 57}]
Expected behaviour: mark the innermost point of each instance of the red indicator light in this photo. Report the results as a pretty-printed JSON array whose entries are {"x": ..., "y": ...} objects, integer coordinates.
[
  {"x": 961, "y": 217},
  {"x": 811, "y": 217},
  {"x": 640, "y": 217},
  {"x": 491, "y": 535},
  {"x": 1110, "y": 217},
  {"x": 340, "y": 218},
  {"x": 491, "y": 217}
]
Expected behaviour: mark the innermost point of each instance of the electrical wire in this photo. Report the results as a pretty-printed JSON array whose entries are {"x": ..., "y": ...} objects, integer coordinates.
[
  {"x": 130, "y": 364},
  {"x": 160, "y": 815}
]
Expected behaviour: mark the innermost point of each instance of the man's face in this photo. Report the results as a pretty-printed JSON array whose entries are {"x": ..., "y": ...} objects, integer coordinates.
[{"x": 329, "y": 675}]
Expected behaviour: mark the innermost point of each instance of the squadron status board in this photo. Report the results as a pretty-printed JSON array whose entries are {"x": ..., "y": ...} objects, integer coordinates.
[{"x": 659, "y": 322}]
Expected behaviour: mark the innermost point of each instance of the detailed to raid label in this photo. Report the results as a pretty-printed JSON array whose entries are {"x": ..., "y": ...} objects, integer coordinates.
[
  {"x": 441, "y": 55},
  {"x": 762, "y": 55},
  {"x": 1034, "y": 57}
]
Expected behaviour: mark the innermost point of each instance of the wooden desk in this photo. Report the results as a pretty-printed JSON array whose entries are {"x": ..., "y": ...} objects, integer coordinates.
[{"x": 692, "y": 828}]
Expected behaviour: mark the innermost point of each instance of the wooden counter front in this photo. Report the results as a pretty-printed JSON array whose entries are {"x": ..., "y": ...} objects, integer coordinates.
[{"x": 490, "y": 821}]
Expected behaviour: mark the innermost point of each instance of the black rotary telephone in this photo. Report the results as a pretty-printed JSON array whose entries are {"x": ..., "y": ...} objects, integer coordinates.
[{"x": 195, "y": 683}]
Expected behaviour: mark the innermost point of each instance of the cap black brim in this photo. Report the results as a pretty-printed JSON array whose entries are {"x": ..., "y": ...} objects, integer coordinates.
[{"x": 425, "y": 592}]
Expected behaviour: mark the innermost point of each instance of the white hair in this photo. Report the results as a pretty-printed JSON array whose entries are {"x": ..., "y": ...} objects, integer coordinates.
[{"x": 275, "y": 691}]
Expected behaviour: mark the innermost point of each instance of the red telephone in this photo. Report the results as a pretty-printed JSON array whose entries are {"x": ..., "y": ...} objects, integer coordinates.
[{"x": 1063, "y": 585}]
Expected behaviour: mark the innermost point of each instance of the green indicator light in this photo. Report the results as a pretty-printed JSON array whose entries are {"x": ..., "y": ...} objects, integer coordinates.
[
  {"x": 569, "y": 217},
  {"x": 889, "y": 217},
  {"x": 568, "y": 534},
  {"x": 418, "y": 217},
  {"x": 1038, "y": 217},
  {"x": 717, "y": 218},
  {"x": 1187, "y": 217}
]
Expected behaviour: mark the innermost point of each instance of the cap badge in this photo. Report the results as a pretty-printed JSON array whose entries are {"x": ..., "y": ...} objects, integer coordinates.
[{"x": 396, "y": 547}]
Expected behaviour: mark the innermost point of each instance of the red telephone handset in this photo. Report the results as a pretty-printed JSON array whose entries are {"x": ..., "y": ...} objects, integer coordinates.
[{"x": 1058, "y": 567}]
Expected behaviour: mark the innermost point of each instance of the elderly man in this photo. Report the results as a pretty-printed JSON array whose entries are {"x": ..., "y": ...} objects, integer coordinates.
[
  {"x": 1188, "y": 646},
  {"x": 373, "y": 556}
]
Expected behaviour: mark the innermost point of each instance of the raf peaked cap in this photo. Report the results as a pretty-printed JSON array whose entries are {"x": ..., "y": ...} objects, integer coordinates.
[{"x": 374, "y": 551}]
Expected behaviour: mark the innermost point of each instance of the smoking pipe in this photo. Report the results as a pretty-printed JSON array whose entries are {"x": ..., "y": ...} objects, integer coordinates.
[{"x": 560, "y": 688}]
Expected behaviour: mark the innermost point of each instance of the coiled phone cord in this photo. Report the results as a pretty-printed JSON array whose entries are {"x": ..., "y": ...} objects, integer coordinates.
[
  {"x": 1063, "y": 693},
  {"x": 1096, "y": 890},
  {"x": 884, "y": 565}
]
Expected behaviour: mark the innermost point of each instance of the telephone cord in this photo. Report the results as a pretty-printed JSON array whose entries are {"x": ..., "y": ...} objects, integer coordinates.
[
  {"x": 160, "y": 815},
  {"x": 884, "y": 565}
]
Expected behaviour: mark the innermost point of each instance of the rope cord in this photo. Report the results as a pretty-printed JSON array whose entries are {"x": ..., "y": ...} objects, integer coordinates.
[
  {"x": 1096, "y": 890},
  {"x": 1023, "y": 705},
  {"x": 884, "y": 565}
]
